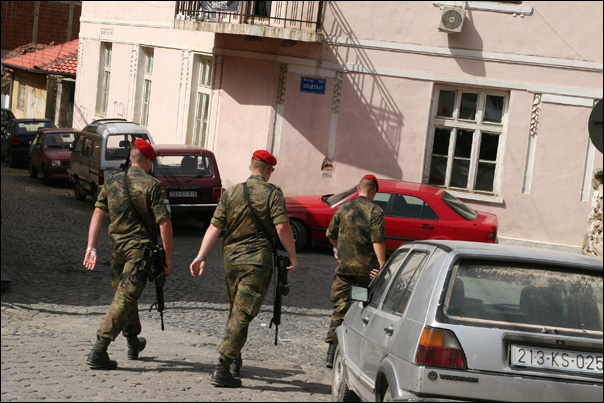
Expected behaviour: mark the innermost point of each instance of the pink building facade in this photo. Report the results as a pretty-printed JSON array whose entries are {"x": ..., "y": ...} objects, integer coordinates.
[{"x": 497, "y": 113}]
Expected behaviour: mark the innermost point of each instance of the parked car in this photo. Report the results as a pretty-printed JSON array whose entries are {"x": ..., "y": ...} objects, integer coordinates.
[
  {"x": 475, "y": 322},
  {"x": 191, "y": 177},
  {"x": 99, "y": 151},
  {"x": 412, "y": 212},
  {"x": 17, "y": 137},
  {"x": 49, "y": 153},
  {"x": 7, "y": 115}
]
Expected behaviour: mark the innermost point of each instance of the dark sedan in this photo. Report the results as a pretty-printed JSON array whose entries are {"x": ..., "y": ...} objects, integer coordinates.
[
  {"x": 49, "y": 153},
  {"x": 18, "y": 136},
  {"x": 412, "y": 212}
]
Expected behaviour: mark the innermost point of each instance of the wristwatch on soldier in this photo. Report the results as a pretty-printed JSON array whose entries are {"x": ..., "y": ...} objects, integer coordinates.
[{"x": 203, "y": 259}]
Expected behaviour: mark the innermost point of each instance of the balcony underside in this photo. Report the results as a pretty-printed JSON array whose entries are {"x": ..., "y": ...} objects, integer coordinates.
[{"x": 264, "y": 31}]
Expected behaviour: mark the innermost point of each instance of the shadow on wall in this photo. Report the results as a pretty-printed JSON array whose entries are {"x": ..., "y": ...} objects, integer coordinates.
[
  {"x": 469, "y": 38},
  {"x": 370, "y": 110}
]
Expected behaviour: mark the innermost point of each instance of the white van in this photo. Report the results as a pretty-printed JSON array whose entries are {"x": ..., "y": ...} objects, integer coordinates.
[{"x": 99, "y": 151}]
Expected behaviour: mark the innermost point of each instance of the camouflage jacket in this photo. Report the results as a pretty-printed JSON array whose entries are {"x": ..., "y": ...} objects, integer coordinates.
[
  {"x": 244, "y": 242},
  {"x": 148, "y": 194},
  {"x": 356, "y": 225}
]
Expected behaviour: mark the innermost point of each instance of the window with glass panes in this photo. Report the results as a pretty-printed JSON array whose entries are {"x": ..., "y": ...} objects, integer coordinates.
[
  {"x": 104, "y": 78},
  {"x": 201, "y": 101},
  {"x": 467, "y": 130},
  {"x": 148, "y": 73}
]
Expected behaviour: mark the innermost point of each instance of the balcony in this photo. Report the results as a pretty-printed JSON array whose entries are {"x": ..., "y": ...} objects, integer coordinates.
[{"x": 288, "y": 20}]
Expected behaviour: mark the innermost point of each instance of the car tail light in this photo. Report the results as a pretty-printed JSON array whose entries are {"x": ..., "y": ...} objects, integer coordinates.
[
  {"x": 216, "y": 194},
  {"x": 101, "y": 177},
  {"x": 440, "y": 348},
  {"x": 492, "y": 237},
  {"x": 15, "y": 142}
]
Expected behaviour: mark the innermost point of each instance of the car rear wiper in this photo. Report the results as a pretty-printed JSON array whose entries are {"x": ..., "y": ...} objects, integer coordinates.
[{"x": 190, "y": 178}]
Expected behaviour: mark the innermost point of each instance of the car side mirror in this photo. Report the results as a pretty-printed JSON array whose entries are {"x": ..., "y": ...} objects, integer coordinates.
[
  {"x": 359, "y": 294},
  {"x": 71, "y": 147}
]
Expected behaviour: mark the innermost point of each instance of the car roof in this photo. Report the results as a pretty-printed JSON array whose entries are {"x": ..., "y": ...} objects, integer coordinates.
[
  {"x": 58, "y": 130},
  {"x": 165, "y": 149},
  {"x": 114, "y": 126},
  {"x": 490, "y": 250},
  {"x": 412, "y": 186},
  {"x": 20, "y": 120}
]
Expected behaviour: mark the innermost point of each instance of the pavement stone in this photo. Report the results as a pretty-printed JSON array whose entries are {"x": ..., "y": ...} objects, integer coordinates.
[{"x": 54, "y": 306}]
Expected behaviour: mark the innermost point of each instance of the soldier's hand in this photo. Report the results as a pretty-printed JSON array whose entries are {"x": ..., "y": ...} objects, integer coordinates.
[
  {"x": 168, "y": 268},
  {"x": 90, "y": 259},
  {"x": 373, "y": 273},
  {"x": 197, "y": 267},
  {"x": 293, "y": 263}
]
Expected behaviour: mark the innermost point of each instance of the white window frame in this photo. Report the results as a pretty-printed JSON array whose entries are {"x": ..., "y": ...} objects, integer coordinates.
[
  {"x": 21, "y": 95},
  {"x": 478, "y": 127},
  {"x": 144, "y": 84},
  {"x": 104, "y": 78},
  {"x": 201, "y": 101}
]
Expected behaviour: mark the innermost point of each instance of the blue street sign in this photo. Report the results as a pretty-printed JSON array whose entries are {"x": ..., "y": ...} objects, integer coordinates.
[{"x": 312, "y": 85}]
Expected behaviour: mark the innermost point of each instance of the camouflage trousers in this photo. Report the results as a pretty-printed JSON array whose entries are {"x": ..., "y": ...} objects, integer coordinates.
[
  {"x": 129, "y": 273},
  {"x": 246, "y": 288},
  {"x": 340, "y": 297}
]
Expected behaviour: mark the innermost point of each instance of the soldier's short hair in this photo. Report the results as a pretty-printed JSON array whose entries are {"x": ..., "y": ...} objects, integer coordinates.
[
  {"x": 259, "y": 165},
  {"x": 367, "y": 185}
]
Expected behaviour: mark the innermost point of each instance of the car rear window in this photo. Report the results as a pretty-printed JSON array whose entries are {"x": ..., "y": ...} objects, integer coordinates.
[
  {"x": 465, "y": 211},
  {"x": 330, "y": 200},
  {"x": 118, "y": 145},
  {"x": 197, "y": 166},
  {"x": 32, "y": 127},
  {"x": 525, "y": 294}
]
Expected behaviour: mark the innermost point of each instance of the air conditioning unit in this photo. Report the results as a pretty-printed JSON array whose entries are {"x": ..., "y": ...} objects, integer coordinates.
[{"x": 451, "y": 20}]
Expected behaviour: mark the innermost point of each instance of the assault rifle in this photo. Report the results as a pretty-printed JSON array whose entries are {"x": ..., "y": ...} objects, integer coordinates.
[
  {"x": 158, "y": 276},
  {"x": 281, "y": 290}
]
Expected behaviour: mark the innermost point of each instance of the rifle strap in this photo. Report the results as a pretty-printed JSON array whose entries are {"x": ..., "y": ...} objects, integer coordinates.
[
  {"x": 140, "y": 217},
  {"x": 260, "y": 225}
]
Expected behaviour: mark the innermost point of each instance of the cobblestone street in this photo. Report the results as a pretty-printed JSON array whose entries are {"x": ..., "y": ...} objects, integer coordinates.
[{"x": 54, "y": 306}]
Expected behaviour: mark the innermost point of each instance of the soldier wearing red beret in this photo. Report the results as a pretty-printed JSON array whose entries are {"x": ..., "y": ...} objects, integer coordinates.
[
  {"x": 359, "y": 240},
  {"x": 253, "y": 214},
  {"x": 132, "y": 230}
]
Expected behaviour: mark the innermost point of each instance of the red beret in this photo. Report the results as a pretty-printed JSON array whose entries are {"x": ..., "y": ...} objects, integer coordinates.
[
  {"x": 373, "y": 178},
  {"x": 145, "y": 148},
  {"x": 265, "y": 156}
]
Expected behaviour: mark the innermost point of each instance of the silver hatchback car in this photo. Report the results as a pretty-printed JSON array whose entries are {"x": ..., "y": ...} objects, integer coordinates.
[{"x": 472, "y": 321}]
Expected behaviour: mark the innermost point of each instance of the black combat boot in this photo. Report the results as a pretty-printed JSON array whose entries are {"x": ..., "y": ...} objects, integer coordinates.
[
  {"x": 100, "y": 360},
  {"x": 98, "y": 357},
  {"x": 137, "y": 345},
  {"x": 236, "y": 367},
  {"x": 222, "y": 376},
  {"x": 330, "y": 353}
]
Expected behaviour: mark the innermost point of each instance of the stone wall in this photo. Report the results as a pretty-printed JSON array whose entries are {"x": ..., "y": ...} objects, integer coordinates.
[{"x": 593, "y": 244}]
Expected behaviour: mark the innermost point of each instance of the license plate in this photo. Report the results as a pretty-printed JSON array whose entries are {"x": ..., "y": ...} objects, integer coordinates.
[
  {"x": 560, "y": 360},
  {"x": 183, "y": 193}
]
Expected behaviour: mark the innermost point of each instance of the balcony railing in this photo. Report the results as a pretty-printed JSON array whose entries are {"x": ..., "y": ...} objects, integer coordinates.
[{"x": 302, "y": 15}]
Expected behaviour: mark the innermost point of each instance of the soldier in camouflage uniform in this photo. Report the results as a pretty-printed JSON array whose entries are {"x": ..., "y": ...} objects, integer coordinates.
[
  {"x": 129, "y": 240},
  {"x": 247, "y": 254},
  {"x": 357, "y": 234}
]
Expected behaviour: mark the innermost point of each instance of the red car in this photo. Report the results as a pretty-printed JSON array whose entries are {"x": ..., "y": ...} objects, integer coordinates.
[
  {"x": 49, "y": 153},
  {"x": 412, "y": 212},
  {"x": 191, "y": 177}
]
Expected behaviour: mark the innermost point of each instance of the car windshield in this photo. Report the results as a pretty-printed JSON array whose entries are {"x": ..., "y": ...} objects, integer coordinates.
[
  {"x": 118, "y": 145},
  {"x": 59, "y": 140},
  {"x": 32, "y": 127},
  {"x": 331, "y": 200},
  {"x": 526, "y": 294},
  {"x": 195, "y": 166},
  {"x": 464, "y": 211}
]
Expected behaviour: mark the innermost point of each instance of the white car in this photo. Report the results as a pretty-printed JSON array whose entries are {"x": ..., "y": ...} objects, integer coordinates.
[{"x": 474, "y": 321}]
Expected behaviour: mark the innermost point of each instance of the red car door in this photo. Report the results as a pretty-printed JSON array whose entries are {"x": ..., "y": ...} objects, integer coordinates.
[{"x": 410, "y": 218}]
